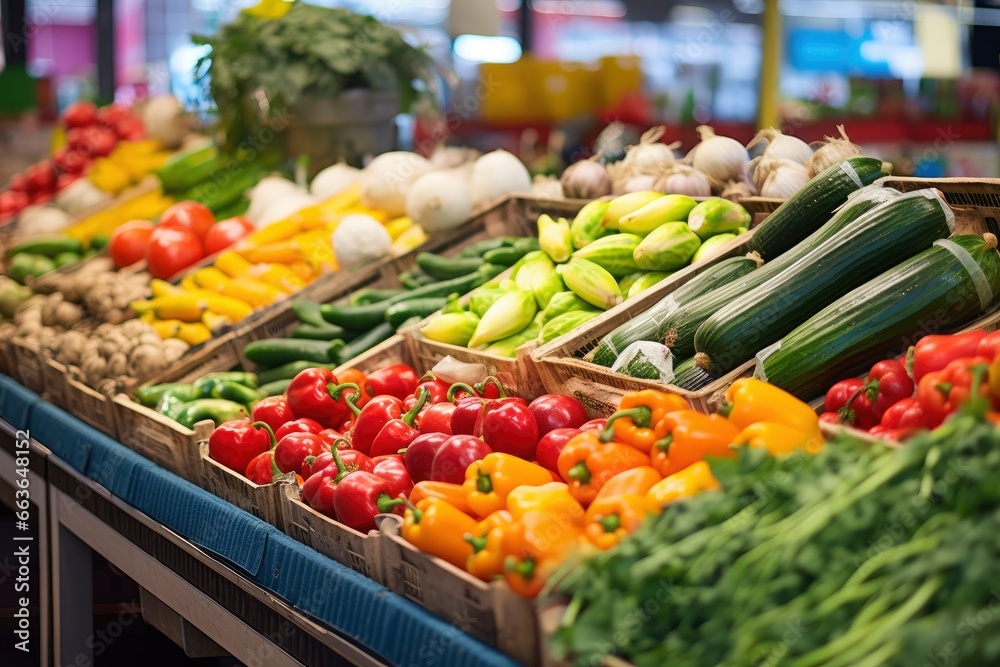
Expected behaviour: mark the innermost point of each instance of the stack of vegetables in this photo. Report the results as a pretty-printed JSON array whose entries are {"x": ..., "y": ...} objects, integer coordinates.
[
  {"x": 332, "y": 334},
  {"x": 42, "y": 254},
  {"x": 612, "y": 250},
  {"x": 859, "y": 555},
  {"x": 918, "y": 391}
]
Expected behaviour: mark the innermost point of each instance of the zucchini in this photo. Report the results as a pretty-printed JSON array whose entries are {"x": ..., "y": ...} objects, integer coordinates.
[
  {"x": 930, "y": 293},
  {"x": 870, "y": 245},
  {"x": 690, "y": 376},
  {"x": 813, "y": 204},
  {"x": 677, "y": 329},
  {"x": 271, "y": 352},
  {"x": 640, "y": 367},
  {"x": 275, "y": 388},
  {"x": 647, "y": 325},
  {"x": 446, "y": 268},
  {"x": 288, "y": 371}
]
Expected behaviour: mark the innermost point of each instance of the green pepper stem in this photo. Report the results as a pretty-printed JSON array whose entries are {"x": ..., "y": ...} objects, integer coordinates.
[
  {"x": 423, "y": 394},
  {"x": 726, "y": 409},
  {"x": 579, "y": 472},
  {"x": 484, "y": 483},
  {"x": 336, "y": 389},
  {"x": 337, "y": 444},
  {"x": 270, "y": 433},
  {"x": 457, "y": 387},
  {"x": 429, "y": 376},
  {"x": 478, "y": 543},
  {"x": 352, "y": 403},
  {"x": 491, "y": 380},
  {"x": 418, "y": 514},
  {"x": 525, "y": 568},
  {"x": 386, "y": 503},
  {"x": 664, "y": 444},
  {"x": 342, "y": 470},
  {"x": 276, "y": 472},
  {"x": 611, "y": 522},
  {"x": 640, "y": 415}
]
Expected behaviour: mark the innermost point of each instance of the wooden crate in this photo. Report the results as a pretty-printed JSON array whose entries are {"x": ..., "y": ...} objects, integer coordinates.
[
  {"x": 85, "y": 403},
  {"x": 490, "y": 612},
  {"x": 263, "y": 501},
  {"x": 26, "y": 365},
  {"x": 347, "y": 546}
]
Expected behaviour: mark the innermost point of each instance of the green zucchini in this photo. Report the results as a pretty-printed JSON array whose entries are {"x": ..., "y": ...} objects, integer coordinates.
[
  {"x": 870, "y": 245},
  {"x": 690, "y": 376},
  {"x": 446, "y": 268},
  {"x": 640, "y": 367},
  {"x": 414, "y": 278},
  {"x": 275, "y": 388},
  {"x": 271, "y": 352},
  {"x": 809, "y": 208},
  {"x": 930, "y": 293},
  {"x": 678, "y": 328},
  {"x": 647, "y": 325}
]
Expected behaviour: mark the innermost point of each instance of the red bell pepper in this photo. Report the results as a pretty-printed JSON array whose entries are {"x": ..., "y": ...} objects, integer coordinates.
[
  {"x": 941, "y": 392},
  {"x": 380, "y": 411},
  {"x": 419, "y": 455},
  {"x": 235, "y": 443},
  {"x": 832, "y": 418},
  {"x": 397, "y": 380},
  {"x": 262, "y": 469},
  {"x": 934, "y": 353},
  {"x": 838, "y": 397},
  {"x": 490, "y": 387},
  {"x": 896, "y": 434},
  {"x": 989, "y": 346},
  {"x": 326, "y": 462},
  {"x": 510, "y": 428},
  {"x": 470, "y": 411},
  {"x": 436, "y": 418},
  {"x": 298, "y": 426},
  {"x": 273, "y": 411},
  {"x": 552, "y": 411},
  {"x": 397, "y": 434},
  {"x": 393, "y": 470},
  {"x": 320, "y": 489},
  {"x": 455, "y": 455},
  {"x": 437, "y": 390},
  {"x": 551, "y": 445},
  {"x": 361, "y": 496},
  {"x": 907, "y": 413},
  {"x": 888, "y": 383},
  {"x": 292, "y": 451},
  {"x": 331, "y": 436},
  {"x": 316, "y": 393}
]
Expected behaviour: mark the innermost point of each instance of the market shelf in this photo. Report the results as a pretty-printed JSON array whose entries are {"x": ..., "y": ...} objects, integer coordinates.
[{"x": 255, "y": 592}]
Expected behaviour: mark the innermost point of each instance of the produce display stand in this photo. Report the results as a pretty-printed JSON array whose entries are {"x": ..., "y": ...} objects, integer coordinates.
[{"x": 213, "y": 577}]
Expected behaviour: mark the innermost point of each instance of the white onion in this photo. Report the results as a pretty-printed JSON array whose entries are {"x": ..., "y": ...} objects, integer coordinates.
[
  {"x": 497, "y": 174},
  {"x": 386, "y": 180},
  {"x": 781, "y": 146},
  {"x": 268, "y": 191},
  {"x": 284, "y": 207},
  {"x": 684, "y": 180},
  {"x": 720, "y": 158},
  {"x": 166, "y": 120},
  {"x": 448, "y": 157},
  {"x": 546, "y": 187},
  {"x": 586, "y": 179},
  {"x": 439, "y": 200},
  {"x": 334, "y": 180}
]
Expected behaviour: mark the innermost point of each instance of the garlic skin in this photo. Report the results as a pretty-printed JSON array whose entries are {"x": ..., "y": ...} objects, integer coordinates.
[
  {"x": 638, "y": 184},
  {"x": 587, "y": 179},
  {"x": 781, "y": 178},
  {"x": 782, "y": 146},
  {"x": 720, "y": 158},
  {"x": 834, "y": 151},
  {"x": 649, "y": 156},
  {"x": 735, "y": 190},
  {"x": 683, "y": 180}
]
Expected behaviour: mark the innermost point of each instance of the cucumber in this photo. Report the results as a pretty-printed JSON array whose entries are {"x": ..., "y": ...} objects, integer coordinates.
[
  {"x": 647, "y": 325},
  {"x": 288, "y": 371},
  {"x": 372, "y": 295},
  {"x": 930, "y": 293},
  {"x": 809, "y": 208},
  {"x": 678, "y": 328},
  {"x": 275, "y": 388},
  {"x": 446, "y": 268},
  {"x": 271, "y": 352},
  {"x": 690, "y": 376},
  {"x": 398, "y": 313},
  {"x": 325, "y": 332},
  {"x": 870, "y": 245},
  {"x": 366, "y": 342},
  {"x": 308, "y": 312},
  {"x": 613, "y": 254},
  {"x": 414, "y": 278},
  {"x": 48, "y": 246},
  {"x": 508, "y": 255},
  {"x": 480, "y": 248}
]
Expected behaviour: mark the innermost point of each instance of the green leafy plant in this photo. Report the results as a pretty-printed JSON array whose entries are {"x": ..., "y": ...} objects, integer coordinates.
[{"x": 310, "y": 51}]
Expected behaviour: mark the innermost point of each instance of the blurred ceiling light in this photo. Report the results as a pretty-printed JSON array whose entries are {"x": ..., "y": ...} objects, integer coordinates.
[
  {"x": 481, "y": 49},
  {"x": 611, "y": 9}
]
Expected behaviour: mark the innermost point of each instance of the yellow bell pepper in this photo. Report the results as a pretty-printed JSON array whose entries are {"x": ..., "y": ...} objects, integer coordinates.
[
  {"x": 397, "y": 226},
  {"x": 552, "y": 497},
  {"x": 750, "y": 400},
  {"x": 489, "y": 482},
  {"x": 617, "y": 517},
  {"x": 434, "y": 526},
  {"x": 778, "y": 439},
  {"x": 696, "y": 478},
  {"x": 487, "y": 560}
]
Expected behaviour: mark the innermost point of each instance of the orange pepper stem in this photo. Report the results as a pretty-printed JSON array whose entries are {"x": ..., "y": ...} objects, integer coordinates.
[
  {"x": 579, "y": 473},
  {"x": 478, "y": 543},
  {"x": 418, "y": 513},
  {"x": 387, "y": 503},
  {"x": 484, "y": 483},
  {"x": 664, "y": 445},
  {"x": 611, "y": 522},
  {"x": 640, "y": 416},
  {"x": 336, "y": 390},
  {"x": 491, "y": 380}
]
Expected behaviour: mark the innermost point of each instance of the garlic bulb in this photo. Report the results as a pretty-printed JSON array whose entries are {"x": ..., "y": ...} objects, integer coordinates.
[
  {"x": 586, "y": 179},
  {"x": 734, "y": 190},
  {"x": 638, "y": 184},
  {"x": 649, "y": 156},
  {"x": 782, "y": 146},
  {"x": 834, "y": 151},
  {"x": 546, "y": 187},
  {"x": 720, "y": 158},
  {"x": 683, "y": 180},
  {"x": 780, "y": 179}
]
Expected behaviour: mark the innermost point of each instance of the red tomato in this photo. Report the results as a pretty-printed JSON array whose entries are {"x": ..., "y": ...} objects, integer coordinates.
[
  {"x": 65, "y": 180},
  {"x": 111, "y": 115},
  {"x": 96, "y": 141},
  {"x": 69, "y": 161},
  {"x": 12, "y": 202},
  {"x": 19, "y": 183},
  {"x": 128, "y": 243},
  {"x": 130, "y": 129},
  {"x": 225, "y": 233},
  {"x": 41, "y": 177},
  {"x": 190, "y": 216},
  {"x": 172, "y": 250},
  {"x": 80, "y": 114}
]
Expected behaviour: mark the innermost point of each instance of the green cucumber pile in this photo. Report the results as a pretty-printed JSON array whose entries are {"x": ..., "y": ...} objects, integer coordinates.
[{"x": 38, "y": 256}]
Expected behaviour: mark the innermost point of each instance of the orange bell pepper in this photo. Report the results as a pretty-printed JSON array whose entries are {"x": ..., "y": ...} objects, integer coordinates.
[
  {"x": 617, "y": 517},
  {"x": 587, "y": 464},
  {"x": 453, "y": 494},
  {"x": 634, "y": 482},
  {"x": 778, "y": 439},
  {"x": 750, "y": 400},
  {"x": 486, "y": 561},
  {"x": 638, "y": 414},
  {"x": 688, "y": 436},
  {"x": 534, "y": 546},
  {"x": 434, "y": 526},
  {"x": 490, "y": 481},
  {"x": 694, "y": 479}
]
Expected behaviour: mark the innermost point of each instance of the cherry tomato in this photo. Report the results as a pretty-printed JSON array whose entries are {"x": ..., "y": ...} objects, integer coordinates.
[
  {"x": 111, "y": 115},
  {"x": 129, "y": 242},
  {"x": 170, "y": 251},
  {"x": 80, "y": 114},
  {"x": 225, "y": 233},
  {"x": 190, "y": 216},
  {"x": 41, "y": 177}
]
